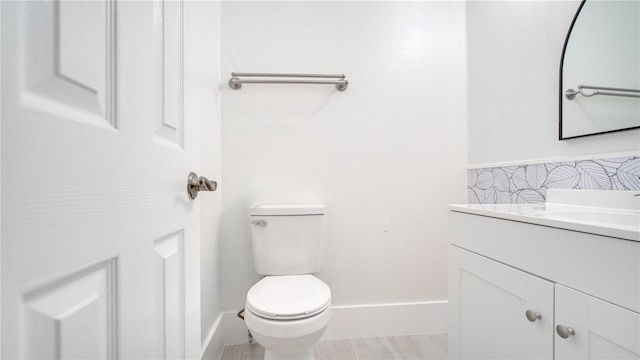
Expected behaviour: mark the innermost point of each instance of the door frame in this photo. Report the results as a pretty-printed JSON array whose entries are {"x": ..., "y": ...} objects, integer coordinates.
[{"x": 0, "y": 173}]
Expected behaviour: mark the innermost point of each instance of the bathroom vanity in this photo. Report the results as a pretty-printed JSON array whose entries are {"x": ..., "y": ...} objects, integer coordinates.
[{"x": 557, "y": 280}]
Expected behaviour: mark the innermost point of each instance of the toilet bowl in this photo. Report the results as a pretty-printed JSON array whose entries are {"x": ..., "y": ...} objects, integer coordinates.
[
  {"x": 288, "y": 314},
  {"x": 289, "y": 309}
]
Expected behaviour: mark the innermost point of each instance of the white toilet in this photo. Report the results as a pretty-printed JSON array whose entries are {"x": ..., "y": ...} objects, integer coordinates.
[{"x": 289, "y": 309}]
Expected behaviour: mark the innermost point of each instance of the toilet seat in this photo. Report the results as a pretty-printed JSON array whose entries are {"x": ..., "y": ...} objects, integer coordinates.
[{"x": 288, "y": 297}]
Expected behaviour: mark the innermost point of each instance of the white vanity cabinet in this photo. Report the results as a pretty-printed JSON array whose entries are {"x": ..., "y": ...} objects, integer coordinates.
[
  {"x": 607, "y": 331},
  {"x": 491, "y": 300},
  {"x": 515, "y": 286}
]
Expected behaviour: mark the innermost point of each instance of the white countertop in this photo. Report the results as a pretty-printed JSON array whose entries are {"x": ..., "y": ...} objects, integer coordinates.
[{"x": 599, "y": 221}]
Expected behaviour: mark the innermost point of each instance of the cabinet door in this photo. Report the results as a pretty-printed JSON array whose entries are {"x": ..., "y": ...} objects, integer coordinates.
[
  {"x": 601, "y": 330},
  {"x": 489, "y": 301}
]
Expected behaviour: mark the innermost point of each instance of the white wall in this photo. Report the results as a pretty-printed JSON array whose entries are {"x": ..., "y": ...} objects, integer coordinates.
[
  {"x": 513, "y": 54},
  {"x": 385, "y": 156},
  {"x": 204, "y": 41}
]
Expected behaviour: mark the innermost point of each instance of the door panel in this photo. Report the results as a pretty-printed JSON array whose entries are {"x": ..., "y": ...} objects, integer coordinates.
[
  {"x": 493, "y": 301},
  {"x": 170, "y": 278},
  {"x": 602, "y": 330},
  {"x": 74, "y": 317},
  {"x": 69, "y": 60},
  {"x": 100, "y": 248},
  {"x": 168, "y": 35}
]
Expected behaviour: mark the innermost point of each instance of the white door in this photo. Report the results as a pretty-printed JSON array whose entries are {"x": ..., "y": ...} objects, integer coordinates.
[
  {"x": 600, "y": 330},
  {"x": 99, "y": 239},
  {"x": 492, "y": 301}
]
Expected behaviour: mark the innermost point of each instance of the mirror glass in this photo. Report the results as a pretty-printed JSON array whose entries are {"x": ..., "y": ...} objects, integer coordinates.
[{"x": 600, "y": 71}]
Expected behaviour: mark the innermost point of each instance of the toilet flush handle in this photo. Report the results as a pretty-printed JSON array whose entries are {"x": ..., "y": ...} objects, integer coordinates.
[{"x": 261, "y": 223}]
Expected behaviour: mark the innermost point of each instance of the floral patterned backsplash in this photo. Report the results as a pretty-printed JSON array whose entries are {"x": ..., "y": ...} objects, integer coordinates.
[{"x": 528, "y": 184}]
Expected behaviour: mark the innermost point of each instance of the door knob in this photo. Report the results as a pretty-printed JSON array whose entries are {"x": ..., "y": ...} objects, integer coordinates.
[
  {"x": 196, "y": 184},
  {"x": 532, "y": 315}
]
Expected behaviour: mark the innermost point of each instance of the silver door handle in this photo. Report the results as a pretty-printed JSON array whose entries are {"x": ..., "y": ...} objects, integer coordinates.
[
  {"x": 565, "y": 331},
  {"x": 196, "y": 184}
]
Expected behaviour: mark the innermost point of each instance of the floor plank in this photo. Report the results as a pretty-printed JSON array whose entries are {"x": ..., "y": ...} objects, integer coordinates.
[
  {"x": 242, "y": 352},
  {"x": 372, "y": 348},
  {"x": 407, "y": 347},
  {"x": 436, "y": 344},
  {"x": 424, "y": 347},
  {"x": 335, "y": 350}
]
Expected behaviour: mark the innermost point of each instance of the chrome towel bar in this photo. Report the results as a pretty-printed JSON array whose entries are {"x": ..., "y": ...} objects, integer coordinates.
[
  {"x": 601, "y": 90},
  {"x": 339, "y": 80}
]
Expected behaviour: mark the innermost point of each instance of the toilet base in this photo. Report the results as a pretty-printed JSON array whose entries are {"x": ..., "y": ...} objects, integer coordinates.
[
  {"x": 288, "y": 339},
  {"x": 305, "y": 355}
]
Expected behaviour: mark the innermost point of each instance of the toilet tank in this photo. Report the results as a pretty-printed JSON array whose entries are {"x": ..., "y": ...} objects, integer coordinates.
[{"x": 287, "y": 239}]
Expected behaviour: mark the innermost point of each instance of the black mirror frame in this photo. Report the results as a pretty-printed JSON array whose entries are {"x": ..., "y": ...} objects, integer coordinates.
[{"x": 561, "y": 94}]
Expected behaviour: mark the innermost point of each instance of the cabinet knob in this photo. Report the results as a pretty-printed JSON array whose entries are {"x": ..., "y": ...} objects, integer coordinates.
[
  {"x": 532, "y": 315},
  {"x": 565, "y": 331}
]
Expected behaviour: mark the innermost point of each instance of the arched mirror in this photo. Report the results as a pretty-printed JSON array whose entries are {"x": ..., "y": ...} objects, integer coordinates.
[{"x": 600, "y": 69}]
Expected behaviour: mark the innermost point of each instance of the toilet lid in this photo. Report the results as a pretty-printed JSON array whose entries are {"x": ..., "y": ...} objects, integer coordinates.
[{"x": 288, "y": 297}]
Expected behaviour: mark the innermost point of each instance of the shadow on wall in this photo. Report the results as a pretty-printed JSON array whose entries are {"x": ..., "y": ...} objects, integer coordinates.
[
  {"x": 241, "y": 237},
  {"x": 528, "y": 184}
]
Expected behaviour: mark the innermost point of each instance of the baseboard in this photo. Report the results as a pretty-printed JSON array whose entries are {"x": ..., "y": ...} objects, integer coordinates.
[
  {"x": 214, "y": 343},
  {"x": 364, "y": 321},
  {"x": 236, "y": 331},
  {"x": 228, "y": 329}
]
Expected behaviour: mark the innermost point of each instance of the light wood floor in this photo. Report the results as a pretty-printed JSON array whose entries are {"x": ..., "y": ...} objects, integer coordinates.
[{"x": 431, "y": 347}]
